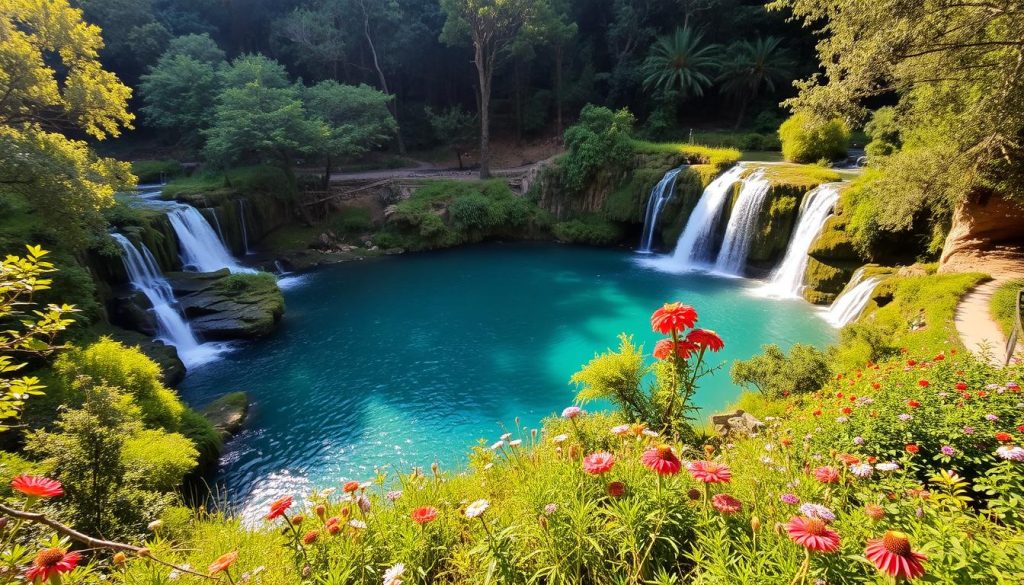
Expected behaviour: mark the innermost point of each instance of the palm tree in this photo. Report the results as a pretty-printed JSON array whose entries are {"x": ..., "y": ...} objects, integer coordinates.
[
  {"x": 751, "y": 66},
  {"x": 678, "y": 62}
]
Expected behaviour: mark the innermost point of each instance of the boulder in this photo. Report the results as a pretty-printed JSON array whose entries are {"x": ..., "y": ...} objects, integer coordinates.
[
  {"x": 227, "y": 414},
  {"x": 223, "y": 306},
  {"x": 736, "y": 423}
]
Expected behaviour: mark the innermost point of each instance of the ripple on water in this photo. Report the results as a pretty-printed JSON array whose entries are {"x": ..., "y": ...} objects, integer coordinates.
[{"x": 413, "y": 359}]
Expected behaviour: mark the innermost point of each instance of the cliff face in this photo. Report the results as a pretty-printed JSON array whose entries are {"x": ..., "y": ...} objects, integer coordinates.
[
  {"x": 833, "y": 260},
  {"x": 986, "y": 234}
]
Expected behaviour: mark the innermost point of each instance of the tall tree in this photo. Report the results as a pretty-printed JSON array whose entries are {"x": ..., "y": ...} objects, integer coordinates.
[
  {"x": 679, "y": 63},
  {"x": 52, "y": 85},
  {"x": 751, "y": 66},
  {"x": 259, "y": 118},
  {"x": 356, "y": 117},
  {"x": 958, "y": 71},
  {"x": 375, "y": 12},
  {"x": 316, "y": 38},
  {"x": 491, "y": 26},
  {"x": 178, "y": 90}
]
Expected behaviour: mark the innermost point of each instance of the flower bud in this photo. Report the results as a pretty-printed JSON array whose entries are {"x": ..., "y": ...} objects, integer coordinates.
[
  {"x": 321, "y": 511},
  {"x": 310, "y": 537},
  {"x": 120, "y": 558},
  {"x": 144, "y": 553},
  {"x": 755, "y": 523},
  {"x": 155, "y": 525},
  {"x": 333, "y": 529},
  {"x": 543, "y": 521},
  {"x": 297, "y": 519},
  {"x": 693, "y": 494},
  {"x": 709, "y": 449}
]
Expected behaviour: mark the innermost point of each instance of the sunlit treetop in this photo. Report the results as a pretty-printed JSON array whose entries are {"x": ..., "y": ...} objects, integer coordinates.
[{"x": 50, "y": 73}]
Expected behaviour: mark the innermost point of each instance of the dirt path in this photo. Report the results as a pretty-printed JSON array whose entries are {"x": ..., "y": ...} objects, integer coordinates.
[{"x": 978, "y": 331}]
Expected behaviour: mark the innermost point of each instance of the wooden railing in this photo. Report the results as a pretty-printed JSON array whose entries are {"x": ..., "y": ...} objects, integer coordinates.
[{"x": 1017, "y": 332}]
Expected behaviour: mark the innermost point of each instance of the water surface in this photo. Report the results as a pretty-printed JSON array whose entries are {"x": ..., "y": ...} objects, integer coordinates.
[{"x": 407, "y": 360}]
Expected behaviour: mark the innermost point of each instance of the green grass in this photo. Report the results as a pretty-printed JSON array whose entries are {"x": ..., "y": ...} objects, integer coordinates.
[
  {"x": 804, "y": 176},
  {"x": 1003, "y": 305},
  {"x": 694, "y": 153},
  {"x": 213, "y": 186},
  {"x": 154, "y": 171}
]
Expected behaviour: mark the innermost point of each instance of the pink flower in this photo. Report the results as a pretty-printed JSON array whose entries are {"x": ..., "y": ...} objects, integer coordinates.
[
  {"x": 726, "y": 504},
  {"x": 826, "y": 474},
  {"x": 661, "y": 460},
  {"x": 892, "y": 555},
  {"x": 709, "y": 471},
  {"x": 571, "y": 412},
  {"x": 813, "y": 534},
  {"x": 598, "y": 463}
]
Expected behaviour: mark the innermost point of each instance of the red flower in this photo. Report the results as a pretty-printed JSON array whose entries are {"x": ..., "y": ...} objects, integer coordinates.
[
  {"x": 913, "y": 403},
  {"x": 726, "y": 504},
  {"x": 846, "y": 410},
  {"x": 893, "y": 556},
  {"x": 912, "y": 449},
  {"x": 424, "y": 515},
  {"x": 661, "y": 460},
  {"x": 673, "y": 317},
  {"x": 1020, "y": 428},
  {"x": 598, "y": 463},
  {"x": 350, "y": 487},
  {"x": 848, "y": 459},
  {"x": 279, "y": 507},
  {"x": 961, "y": 386},
  {"x": 705, "y": 338},
  {"x": 709, "y": 471},
  {"x": 616, "y": 489},
  {"x": 223, "y": 562},
  {"x": 826, "y": 474},
  {"x": 35, "y": 486},
  {"x": 1004, "y": 437},
  {"x": 876, "y": 385},
  {"x": 923, "y": 383},
  {"x": 813, "y": 534},
  {"x": 663, "y": 349},
  {"x": 50, "y": 562},
  {"x": 817, "y": 412}
]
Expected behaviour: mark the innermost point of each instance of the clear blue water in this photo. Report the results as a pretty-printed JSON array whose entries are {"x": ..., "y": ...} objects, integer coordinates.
[{"x": 404, "y": 361}]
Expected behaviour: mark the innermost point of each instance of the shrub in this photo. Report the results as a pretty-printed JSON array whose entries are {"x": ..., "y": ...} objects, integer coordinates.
[
  {"x": 155, "y": 171},
  {"x": 806, "y": 140},
  {"x": 1003, "y": 305},
  {"x": 352, "y": 221},
  {"x": 158, "y": 460},
  {"x": 593, "y": 230},
  {"x": 108, "y": 362},
  {"x": 773, "y": 373},
  {"x": 884, "y": 133},
  {"x": 599, "y": 140}
]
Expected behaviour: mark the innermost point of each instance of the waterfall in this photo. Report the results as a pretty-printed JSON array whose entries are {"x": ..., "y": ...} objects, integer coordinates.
[
  {"x": 245, "y": 228},
  {"x": 851, "y": 302},
  {"x": 739, "y": 234},
  {"x": 660, "y": 195},
  {"x": 788, "y": 278},
  {"x": 201, "y": 249},
  {"x": 694, "y": 246},
  {"x": 172, "y": 328},
  {"x": 216, "y": 223}
]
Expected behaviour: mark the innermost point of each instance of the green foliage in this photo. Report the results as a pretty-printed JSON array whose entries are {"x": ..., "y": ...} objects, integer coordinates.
[
  {"x": 806, "y": 139},
  {"x": 352, "y": 221},
  {"x": 750, "y": 66},
  {"x": 28, "y": 331},
  {"x": 453, "y": 127},
  {"x": 155, "y": 171},
  {"x": 104, "y": 493},
  {"x": 180, "y": 88},
  {"x": 773, "y": 373},
  {"x": 212, "y": 187},
  {"x": 599, "y": 140},
  {"x": 260, "y": 117},
  {"x": 919, "y": 318},
  {"x": 159, "y": 459},
  {"x": 692, "y": 154},
  {"x": 679, "y": 64},
  {"x": 1003, "y": 305},
  {"x": 356, "y": 116},
  {"x": 884, "y": 133},
  {"x": 617, "y": 376},
  {"x": 442, "y": 214},
  {"x": 592, "y": 229},
  {"x": 108, "y": 362}
]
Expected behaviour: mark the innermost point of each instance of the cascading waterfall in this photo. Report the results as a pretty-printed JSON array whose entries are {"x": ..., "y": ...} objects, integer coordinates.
[
  {"x": 172, "y": 328},
  {"x": 245, "y": 227},
  {"x": 216, "y": 224},
  {"x": 788, "y": 278},
  {"x": 693, "y": 250},
  {"x": 851, "y": 302},
  {"x": 201, "y": 249},
  {"x": 739, "y": 234},
  {"x": 660, "y": 195}
]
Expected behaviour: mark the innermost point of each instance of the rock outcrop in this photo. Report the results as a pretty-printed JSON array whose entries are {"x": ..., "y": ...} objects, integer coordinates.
[
  {"x": 227, "y": 414},
  {"x": 985, "y": 235},
  {"x": 224, "y": 306}
]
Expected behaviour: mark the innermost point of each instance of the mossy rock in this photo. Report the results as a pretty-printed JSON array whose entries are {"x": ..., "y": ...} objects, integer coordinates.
[
  {"x": 823, "y": 281},
  {"x": 775, "y": 225},
  {"x": 222, "y": 306},
  {"x": 227, "y": 414},
  {"x": 690, "y": 186}
]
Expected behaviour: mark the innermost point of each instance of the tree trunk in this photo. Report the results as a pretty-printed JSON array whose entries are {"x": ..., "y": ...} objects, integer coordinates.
[
  {"x": 518, "y": 79},
  {"x": 327, "y": 174},
  {"x": 484, "y": 71},
  {"x": 393, "y": 104},
  {"x": 743, "y": 110},
  {"x": 458, "y": 153},
  {"x": 559, "y": 56}
]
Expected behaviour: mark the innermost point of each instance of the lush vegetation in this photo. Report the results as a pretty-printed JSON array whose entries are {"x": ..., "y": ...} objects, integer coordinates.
[
  {"x": 1004, "y": 304},
  {"x": 806, "y": 140}
]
